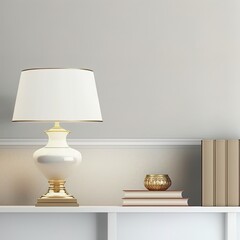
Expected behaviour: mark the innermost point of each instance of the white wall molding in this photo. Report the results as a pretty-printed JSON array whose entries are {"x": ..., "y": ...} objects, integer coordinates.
[{"x": 103, "y": 143}]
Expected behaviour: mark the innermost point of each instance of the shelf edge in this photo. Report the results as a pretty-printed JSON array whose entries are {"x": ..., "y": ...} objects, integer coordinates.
[{"x": 117, "y": 209}]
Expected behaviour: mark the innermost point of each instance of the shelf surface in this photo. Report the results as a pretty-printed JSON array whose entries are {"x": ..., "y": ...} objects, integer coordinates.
[{"x": 116, "y": 209}]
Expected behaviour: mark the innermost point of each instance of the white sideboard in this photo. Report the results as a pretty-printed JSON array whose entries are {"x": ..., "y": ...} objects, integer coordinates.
[{"x": 119, "y": 223}]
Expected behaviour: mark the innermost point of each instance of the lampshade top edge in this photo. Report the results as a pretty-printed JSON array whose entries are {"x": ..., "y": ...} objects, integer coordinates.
[{"x": 32, "y": 69}]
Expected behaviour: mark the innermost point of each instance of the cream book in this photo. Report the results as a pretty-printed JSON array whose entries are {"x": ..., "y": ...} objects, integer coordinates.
[
  {"x": 221, "y": 173},
  {"x": 233, "y": 172},
  {"x": 208, "y": 173},
  {"x": 155, "y": 202},
  {"x": 152, "y": 194}
]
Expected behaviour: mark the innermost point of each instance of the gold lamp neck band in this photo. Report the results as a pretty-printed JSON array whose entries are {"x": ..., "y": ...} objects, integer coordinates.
[
  {"x": 57, "y": 128},
  {"x": 57, "y": 125}
]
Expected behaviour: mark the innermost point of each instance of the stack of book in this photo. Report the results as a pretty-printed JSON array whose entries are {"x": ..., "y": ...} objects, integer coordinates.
[
  {"x": 153, "y": 198},
  {"x": 220, "y": 173}
]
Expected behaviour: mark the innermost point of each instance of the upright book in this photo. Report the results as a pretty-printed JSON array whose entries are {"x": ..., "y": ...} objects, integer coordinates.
[
  {"x": 221, "y": 173},
  {"x": 233, "y": 173},
  {"x": 208, "y": 173}
]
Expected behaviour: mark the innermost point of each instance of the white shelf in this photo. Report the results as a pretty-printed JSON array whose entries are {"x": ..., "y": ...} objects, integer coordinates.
[
  {"x": 117, "y": 209},
  {"x": 114, "y": 212}
]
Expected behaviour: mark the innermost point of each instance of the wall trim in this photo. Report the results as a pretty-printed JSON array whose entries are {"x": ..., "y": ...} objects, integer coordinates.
[{"x": 93, "y": 143}]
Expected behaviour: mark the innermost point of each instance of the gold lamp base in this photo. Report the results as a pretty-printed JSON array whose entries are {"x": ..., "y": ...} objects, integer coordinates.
[{"x": 56, "y": 196}]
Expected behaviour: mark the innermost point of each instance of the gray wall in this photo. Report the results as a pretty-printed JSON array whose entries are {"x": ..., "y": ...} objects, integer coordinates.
[{"x": 164, "y": 69}]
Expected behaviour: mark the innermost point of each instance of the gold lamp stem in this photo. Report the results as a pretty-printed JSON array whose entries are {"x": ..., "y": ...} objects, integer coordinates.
[
  {"x": 57, "y": 125},
  {"x": 57, "y": 128}
]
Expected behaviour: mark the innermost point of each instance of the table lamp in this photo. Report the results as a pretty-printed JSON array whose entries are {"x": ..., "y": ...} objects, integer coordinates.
[{"x": 57, "y": 95}]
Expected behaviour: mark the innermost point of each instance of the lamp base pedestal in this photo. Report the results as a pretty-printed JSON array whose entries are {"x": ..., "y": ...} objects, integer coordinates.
[{"x": 57, "y": 196}]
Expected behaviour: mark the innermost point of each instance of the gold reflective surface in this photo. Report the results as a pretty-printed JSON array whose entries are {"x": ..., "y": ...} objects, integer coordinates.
[
  {"x": 157, "y": 182},
  {"x": 57, "y": 196}
]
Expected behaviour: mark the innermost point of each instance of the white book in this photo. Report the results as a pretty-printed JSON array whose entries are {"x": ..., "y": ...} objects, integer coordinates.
[
  {"x": 152, "y": 194},
  {"x": 221, "y": 173},
  {"x": 155, "y": 202},
  {"x": 208, "y": 173},
  {"x": 233, "y": 172}
]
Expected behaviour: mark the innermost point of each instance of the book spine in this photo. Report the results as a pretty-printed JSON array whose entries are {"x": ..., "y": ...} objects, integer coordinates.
[
  {"x": 208, "y": 172},
  {"x": 221, "y": 172},
  {"x": 233, "y": 172}
]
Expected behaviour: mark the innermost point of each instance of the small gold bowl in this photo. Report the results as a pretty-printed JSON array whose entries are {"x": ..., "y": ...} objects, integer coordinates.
[{"x": 157, "y": 182}]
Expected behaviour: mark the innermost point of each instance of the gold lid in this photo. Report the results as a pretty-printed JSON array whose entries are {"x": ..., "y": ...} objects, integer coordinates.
[{"x": 156, "y": 175}]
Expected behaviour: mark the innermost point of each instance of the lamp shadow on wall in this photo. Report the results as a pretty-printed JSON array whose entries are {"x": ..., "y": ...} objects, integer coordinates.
[
  {"x": 185, "y": 172},
  {"x": 22, "y": 191},
  {"x": 192, "y": 179}
]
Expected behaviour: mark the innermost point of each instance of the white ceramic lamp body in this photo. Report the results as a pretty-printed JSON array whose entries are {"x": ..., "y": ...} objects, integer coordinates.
[{"x": 57, "y": 160}]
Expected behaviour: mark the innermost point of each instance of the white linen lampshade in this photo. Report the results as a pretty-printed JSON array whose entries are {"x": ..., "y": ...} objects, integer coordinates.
[{"x": 57, "y": 95}]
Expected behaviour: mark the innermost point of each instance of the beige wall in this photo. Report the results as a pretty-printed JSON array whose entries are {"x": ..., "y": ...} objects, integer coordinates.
[{"x": 103, "y": 174}]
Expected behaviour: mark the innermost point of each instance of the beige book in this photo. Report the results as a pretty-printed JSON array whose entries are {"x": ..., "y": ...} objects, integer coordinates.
[
  {"x": 221, "y": 173},
  {"x": 208, "y": 173},
  {"x": 233, "y": 172},
  {"x": 152, "y": 194},
  {"x": 155, "y": 202}
]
